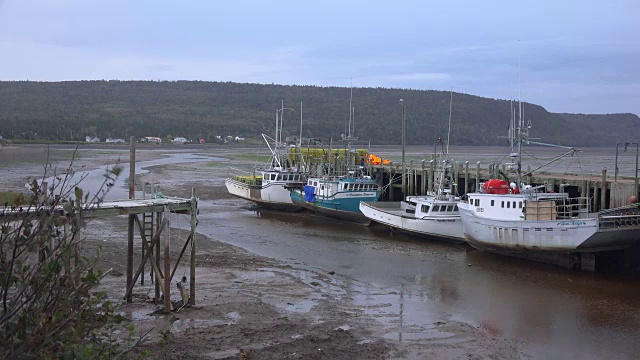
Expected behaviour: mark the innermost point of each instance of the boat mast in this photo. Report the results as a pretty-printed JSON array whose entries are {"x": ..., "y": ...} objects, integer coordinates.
[
  {"x": 279, "y": 139},
  {"x": 450, "y": 108},
  {"x": 520, "y": 125}
]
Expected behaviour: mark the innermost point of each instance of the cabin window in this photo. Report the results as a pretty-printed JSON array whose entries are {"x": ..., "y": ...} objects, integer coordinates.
[
  {"x": 310, "y": 182},
  {"x": 520, "y": 204},
  {"x": 492, "y": 202},
  {"x": 455, "y": 207},
  {"x": 477, "y": 202},
  {"x": 502, "y": 204},
  {"x": 514, "y": 204},
  {"x": 425, "y": 208},
  {"x": 508, "y": 205},
  {"x": 322, "y": 187},
  {"x": 273, "y": 177},
  {"x": 315, "y": 183},
  {"x": 435, "y": 208}
]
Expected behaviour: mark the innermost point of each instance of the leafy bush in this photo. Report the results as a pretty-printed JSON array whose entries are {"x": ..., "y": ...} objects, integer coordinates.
[{"x": 49, "y": 306}]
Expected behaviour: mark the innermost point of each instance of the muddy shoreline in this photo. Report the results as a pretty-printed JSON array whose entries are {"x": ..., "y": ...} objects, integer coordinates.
[{"x": 249, "y": 306}]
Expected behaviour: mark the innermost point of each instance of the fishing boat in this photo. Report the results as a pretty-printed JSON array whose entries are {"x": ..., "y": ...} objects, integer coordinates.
[
  {"x": 517, "y": 219},
  {"x": 338, "y": 191},
  {"x": 337, "y": 196},
  {"x": 431, "y": 216},
  {"x": 435, "y": 214},
  {"x": 267, "y": 185}
]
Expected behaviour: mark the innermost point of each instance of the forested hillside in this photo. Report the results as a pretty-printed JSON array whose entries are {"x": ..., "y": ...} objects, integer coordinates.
[{"x": 73, "y": 110}]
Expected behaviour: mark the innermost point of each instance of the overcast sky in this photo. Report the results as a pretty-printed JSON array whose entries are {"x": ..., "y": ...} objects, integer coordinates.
[{"x": 575, "y": 55}]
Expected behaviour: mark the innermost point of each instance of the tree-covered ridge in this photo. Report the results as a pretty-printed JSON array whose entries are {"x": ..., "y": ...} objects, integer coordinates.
[{"x": 72, "y": 110}]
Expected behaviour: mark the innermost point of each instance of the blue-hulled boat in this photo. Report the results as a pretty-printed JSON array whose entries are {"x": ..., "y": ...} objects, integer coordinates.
[{"x": 338, "y": 197}]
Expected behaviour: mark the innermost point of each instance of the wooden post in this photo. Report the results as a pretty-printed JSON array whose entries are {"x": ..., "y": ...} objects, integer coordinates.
[
  {"x": 167, "y": 268},
  {"x": 411, "y": 179},
  {"x": 194, "y": 222},
  {"x": 596, "y": 197},
  {"x": 132, "y": 189},
  {"x": 159, "y": 219},
  {"x": 144, "y": 239},
  {"x": 423, "y": 179},
  {"x": 466, "y": 178},
  {"x": 530, "y": 175},
  {"x": 431, "y": 171},
  {"x": 477, "y": 176},
  {"x": 603, "y": 187}
]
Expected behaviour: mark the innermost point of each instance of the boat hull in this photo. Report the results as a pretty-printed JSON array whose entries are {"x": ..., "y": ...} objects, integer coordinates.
[
  {"x": 543, "y": 236},
  {"x": 271, "y": 195},
  {"x": 344, "y": 207},
  {"x": 391, "y": 214}
]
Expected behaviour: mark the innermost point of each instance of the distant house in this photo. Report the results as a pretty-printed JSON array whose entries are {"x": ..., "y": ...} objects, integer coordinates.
[
  {"x": 93, "y": 139},
  {"x": 201, "y": 141},
  {"x": 115, "y": 141},
  {"x": 179, "y": 140},
  {"x": 238, "y": 138},
  {"x": 153, "y": 139}
]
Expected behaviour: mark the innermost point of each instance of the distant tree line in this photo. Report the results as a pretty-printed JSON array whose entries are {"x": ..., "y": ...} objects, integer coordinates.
[{"x": 198, "y": 109}]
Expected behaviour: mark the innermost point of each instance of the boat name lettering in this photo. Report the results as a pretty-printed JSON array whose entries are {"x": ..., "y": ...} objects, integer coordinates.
[
  {"x": 479, "y": 209},
  {"x": 360, "y": 194},
  {"x": 575, "y": 222}
]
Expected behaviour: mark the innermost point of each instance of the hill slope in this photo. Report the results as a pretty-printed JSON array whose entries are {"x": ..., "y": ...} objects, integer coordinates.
[{"x": 72, "y": 110}]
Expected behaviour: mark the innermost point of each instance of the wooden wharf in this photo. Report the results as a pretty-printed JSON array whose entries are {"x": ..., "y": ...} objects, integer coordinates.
[{"x": 603, "y": 192}]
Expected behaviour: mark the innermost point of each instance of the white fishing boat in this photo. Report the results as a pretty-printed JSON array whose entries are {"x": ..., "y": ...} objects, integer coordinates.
[
  {"x": 518, "y": 219},
  {"x": 434, "y": 215},
  {"x": 267, "y": 185},
  {"x": 427, "y": 215}
]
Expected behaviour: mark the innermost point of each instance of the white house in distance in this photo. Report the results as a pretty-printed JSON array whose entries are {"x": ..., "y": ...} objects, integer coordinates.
[
  {"x": 179, "y": 140},
  {"x": 92, "y": 139},
  {"x": 115, "y": 141}
]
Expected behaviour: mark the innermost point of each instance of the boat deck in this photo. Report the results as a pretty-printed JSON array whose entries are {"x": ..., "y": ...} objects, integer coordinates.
[{"x": 392, "y": 208}]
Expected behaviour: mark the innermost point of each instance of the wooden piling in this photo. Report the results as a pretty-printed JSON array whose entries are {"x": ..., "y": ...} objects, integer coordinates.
[
  {"x": 603, "y": 189},
  {"x": 477, "y": 176},
  {"x": 466, "y": 178},
  {"x": 431, "y": 174},
  {"x": 194, "y": 221},
  {"x": 167, "y": 268},
  {"x": 132, "y": 189},
  {"x": 159, "y": 220},
  {"x": 423, "y": 179}
]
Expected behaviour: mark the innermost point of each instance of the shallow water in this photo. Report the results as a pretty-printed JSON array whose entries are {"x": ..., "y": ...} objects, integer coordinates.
[{"x": 92, "y": 180}]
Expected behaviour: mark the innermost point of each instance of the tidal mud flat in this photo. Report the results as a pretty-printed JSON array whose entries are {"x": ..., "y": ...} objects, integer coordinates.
[
  {"x": 282, "y": 285},
  {"x": 247, "y": 305}
]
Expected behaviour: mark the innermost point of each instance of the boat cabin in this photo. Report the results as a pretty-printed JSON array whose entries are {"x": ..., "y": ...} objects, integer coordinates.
[
  {"x": 325, "y": 187},
  {"x": 436, "y": 209},
  {"x": 281, "y": 177}
]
